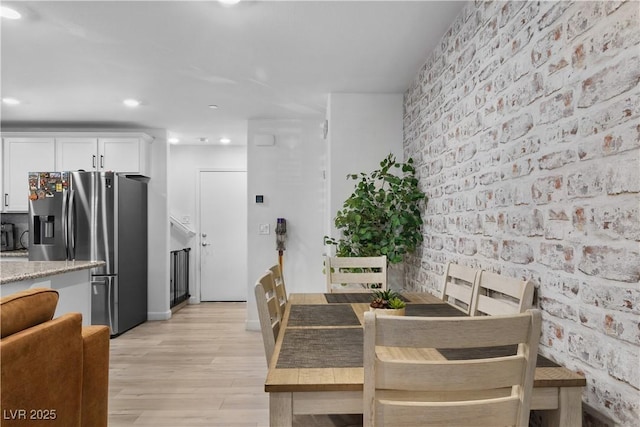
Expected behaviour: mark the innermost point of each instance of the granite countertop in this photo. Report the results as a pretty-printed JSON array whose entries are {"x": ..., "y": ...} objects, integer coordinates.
[
  {"x": 15, "y": 271},
  {"x": 14, "y": 254}
]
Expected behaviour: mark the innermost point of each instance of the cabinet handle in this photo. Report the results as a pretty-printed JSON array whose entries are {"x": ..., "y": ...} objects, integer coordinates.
[
  {"x": 101, "y": 161},
  {"x": 94, "y": 161},
  {"x": 6, "y": 199}
]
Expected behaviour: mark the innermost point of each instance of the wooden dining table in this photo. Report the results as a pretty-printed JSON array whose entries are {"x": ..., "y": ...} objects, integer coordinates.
[{"x": 317, "y": 365}]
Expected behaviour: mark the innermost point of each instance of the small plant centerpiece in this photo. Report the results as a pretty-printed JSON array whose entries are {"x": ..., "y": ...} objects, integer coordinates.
[{"x": 387, "y": 302}]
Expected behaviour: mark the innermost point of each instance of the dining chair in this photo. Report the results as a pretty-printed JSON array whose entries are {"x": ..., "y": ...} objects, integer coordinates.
[
  {"x": 459, "y": 285},
  {"x": 268, "y": 312},
  {"x": 498, "y": 294},
  {"x": 408, "y": 382},
  {"x": 363, "y": 272},
  {"x": 281, "y": 290}
]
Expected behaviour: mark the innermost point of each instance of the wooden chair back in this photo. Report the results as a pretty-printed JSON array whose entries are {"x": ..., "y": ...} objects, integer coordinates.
[
  {"x": 355, "y": 274},
  {"x": 281, "y": 290},
  {"x": 497, "y": 294},
  {"x": 268, "y": 312},
  {"x": 459, "y": 285},
  {"x": 407, "y": 382}
]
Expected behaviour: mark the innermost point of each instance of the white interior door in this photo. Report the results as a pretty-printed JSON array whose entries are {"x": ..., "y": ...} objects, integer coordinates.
[{"x": 223, "y": 236}]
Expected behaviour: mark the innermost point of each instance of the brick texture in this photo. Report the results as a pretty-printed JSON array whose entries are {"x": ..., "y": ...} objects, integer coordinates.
[{"x": 525, "y": 127}]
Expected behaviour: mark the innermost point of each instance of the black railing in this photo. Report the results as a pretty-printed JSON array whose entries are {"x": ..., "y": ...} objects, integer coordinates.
[{"x": 179, "y": 284}]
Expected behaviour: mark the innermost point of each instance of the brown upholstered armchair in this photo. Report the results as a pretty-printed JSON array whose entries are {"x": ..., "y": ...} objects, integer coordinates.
[{"x": 53, "y": 372}]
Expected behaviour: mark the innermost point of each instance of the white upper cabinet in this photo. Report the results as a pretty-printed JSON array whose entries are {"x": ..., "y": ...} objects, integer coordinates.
[
  {"x": 22, "y": 155},
  {"x": 74, "y": 154},
  {"x": 96, "y": 153},
  {"x": 23, "y": 152},
  {"x": 123, "y": 155}
]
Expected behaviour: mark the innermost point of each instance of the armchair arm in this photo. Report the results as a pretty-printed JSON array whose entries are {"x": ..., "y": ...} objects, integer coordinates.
[{"x": 95, "y": 376}]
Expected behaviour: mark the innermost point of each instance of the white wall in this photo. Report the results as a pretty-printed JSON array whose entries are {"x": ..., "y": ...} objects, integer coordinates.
[
  {"x": 184, "y": 165},
  {"x": 158, "y": 251},
  {"x": 290, "y": 176},
  {"x": 363, "y": 129}
]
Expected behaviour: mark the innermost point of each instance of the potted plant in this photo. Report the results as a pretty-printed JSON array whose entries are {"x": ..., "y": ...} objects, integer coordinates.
[
  {"x": 387, "y": 302},
  {"x": 383, "y": 215}
]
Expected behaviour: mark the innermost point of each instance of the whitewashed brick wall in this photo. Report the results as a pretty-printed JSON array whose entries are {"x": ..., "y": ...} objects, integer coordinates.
[{"x": 525, "y": 126}]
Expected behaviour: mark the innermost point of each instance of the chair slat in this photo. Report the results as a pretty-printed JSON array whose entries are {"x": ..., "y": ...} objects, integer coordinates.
[
  {"x": 337, "y": 273},
  {"x": 477, "y": 374},
  {"x": 280, "y": 288},
  {"x": 447, "y": 332},
  {"x": 489, "y": 413},
  {"x": 497, "y": 294},
  {"x": 459, "y": 286},
  {"x": 269, "y": 313}
]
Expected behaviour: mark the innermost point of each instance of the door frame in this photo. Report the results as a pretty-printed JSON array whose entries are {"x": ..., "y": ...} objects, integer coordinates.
[{"x": 195, "y": 295}]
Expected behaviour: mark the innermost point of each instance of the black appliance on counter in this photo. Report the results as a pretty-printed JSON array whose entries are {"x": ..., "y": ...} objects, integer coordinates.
[{"x": 7, "y": 231}]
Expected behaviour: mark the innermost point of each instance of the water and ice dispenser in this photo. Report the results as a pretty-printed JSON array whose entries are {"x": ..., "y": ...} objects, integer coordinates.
[{"x": 44, "y": 229}]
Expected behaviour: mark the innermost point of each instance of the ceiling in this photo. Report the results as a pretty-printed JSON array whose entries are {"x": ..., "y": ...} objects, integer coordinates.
[{"x": 73, "y": 63}]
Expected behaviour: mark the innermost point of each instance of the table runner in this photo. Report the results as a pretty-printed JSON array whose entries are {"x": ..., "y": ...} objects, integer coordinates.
[
  {"x": 482, "y": 352},
  {"x": 322, "y": 315},
  {"x": 321, "y": 348},
  {"x": 433, "y": 310}
]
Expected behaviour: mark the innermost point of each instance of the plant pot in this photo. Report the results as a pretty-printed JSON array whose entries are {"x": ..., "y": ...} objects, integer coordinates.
[{"x": 388, "y": 311}]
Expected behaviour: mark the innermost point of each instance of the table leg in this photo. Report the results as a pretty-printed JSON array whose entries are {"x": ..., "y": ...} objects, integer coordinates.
[
  {"x": 280, "y": 409},
  {"x": 569, "y": 412}
]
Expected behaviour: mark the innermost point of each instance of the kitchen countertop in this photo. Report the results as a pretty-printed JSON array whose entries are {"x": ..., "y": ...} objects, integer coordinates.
[
  {"x": 15, "y": 253},
  {"x": 15, "y": 271}
]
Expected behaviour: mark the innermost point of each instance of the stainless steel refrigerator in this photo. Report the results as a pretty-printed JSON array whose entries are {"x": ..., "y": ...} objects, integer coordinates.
[{"x": 95, "y": 216}]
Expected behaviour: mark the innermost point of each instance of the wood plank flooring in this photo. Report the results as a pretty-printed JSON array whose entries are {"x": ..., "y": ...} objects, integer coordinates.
[{"x": 200, "y": 368}]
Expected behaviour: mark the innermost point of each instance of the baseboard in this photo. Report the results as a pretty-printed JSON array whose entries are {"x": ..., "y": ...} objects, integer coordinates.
[
  {"x": 159, "y": 315},
  {"x": 252, "y": 325},
  {"x": 177, "y": 307}
]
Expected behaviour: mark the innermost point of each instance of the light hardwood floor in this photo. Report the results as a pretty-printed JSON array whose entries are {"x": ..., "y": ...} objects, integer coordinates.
[{"x": 200, "y": 368}]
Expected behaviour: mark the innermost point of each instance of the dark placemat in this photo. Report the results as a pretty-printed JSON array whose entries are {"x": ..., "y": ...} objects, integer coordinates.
[
  {"x": 322, "y": 315},
  {"x": 353, "y": 297},
  {"x": 321, "y": 348},
  {"x": 433, "y": 310},
  {"x": 482, "y": 352}
]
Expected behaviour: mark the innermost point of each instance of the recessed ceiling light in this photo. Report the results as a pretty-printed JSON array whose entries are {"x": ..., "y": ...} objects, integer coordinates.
[
  {"x": 7, "y": 12},
  {"x": 10, "y": 101},
  {"x": 229, "y": 2},
  {"x": 213, "y": 106},
  {"x": 225, "y": 140},
  {"x": 173, "y": 140},
  {"x": 131, "y": 102}
]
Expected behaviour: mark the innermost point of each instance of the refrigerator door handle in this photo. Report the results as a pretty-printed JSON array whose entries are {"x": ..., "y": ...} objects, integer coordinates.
[
  {"x": 72, "y": 226},
  {"x": 65, "y": 223},
  {"x": 110, "y": 304}
]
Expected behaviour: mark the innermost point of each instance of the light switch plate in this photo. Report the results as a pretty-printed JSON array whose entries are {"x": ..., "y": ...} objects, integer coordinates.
[{"x": 264, "y": 229}]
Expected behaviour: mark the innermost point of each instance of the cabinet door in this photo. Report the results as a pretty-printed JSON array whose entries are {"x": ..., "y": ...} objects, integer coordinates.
[
  {"x": 73, "y": 154},
  {"x": 21, "y": 156},
  {"x": 119, "y": 155}
]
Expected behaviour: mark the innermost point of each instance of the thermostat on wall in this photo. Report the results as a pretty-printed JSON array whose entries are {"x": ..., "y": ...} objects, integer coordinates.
[{"x": 263, "y": 140}]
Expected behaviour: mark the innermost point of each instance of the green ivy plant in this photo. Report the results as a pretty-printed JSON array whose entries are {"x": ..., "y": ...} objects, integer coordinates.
[{"x": 383, "y": 215}]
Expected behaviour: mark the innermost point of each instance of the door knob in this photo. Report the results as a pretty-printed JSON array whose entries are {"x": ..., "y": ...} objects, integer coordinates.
[{"x": 205, "y": 244}]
